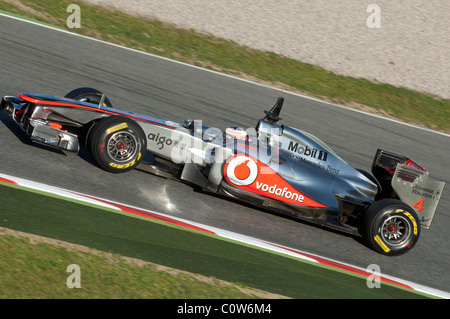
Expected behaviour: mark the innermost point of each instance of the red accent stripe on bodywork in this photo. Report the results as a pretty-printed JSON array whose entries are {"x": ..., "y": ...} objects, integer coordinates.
[{"x": 78, "y": 106}]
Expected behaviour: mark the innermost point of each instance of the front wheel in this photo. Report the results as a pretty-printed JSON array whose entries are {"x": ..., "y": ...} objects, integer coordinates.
[
  {"x": 90, "y": 95},
  {"x": 117, "y": 144},
  {"x": 390, "y": 227}
]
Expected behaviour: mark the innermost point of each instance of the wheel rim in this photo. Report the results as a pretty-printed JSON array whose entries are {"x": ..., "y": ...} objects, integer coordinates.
[
  {"x": 122, "y": 146},
  {"x": 396, "y": 230}
]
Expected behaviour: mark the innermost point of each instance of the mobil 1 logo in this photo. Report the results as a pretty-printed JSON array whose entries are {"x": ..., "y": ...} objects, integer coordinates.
[{"x": 307, "y": 151}]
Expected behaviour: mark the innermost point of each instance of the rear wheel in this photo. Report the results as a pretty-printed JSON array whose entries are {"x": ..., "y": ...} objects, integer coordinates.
[
  {"x": 117, "y": 144},
  {"x": 390, "y": 227}
]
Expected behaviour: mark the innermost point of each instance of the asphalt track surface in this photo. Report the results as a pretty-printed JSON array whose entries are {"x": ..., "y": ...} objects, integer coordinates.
[{"x": 41, "y": 60}]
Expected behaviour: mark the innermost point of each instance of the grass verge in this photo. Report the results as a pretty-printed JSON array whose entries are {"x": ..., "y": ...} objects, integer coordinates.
[
  {"x": 38, "y": 268},
  {"x": 229, "y": 57},
  {"x": 39, "y": 271}
]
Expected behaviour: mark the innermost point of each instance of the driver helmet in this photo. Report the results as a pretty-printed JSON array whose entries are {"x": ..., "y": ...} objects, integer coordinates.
[{"x": 235, "y": 133}]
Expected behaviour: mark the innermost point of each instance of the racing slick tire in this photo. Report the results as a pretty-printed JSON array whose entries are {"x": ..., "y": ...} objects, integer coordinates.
[
  {"x": 117, "y": 144},
  {"x": 88, "y": 95},
  {"x": 390, "y": 227}
]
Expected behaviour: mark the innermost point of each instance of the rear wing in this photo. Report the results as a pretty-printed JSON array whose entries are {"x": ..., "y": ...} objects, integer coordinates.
[
  {"x": 411, "y": 183},
  {"x": 418, "y": 190}
]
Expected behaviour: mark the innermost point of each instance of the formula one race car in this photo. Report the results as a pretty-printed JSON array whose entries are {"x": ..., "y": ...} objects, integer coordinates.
[{"x": 272, "y": 166}]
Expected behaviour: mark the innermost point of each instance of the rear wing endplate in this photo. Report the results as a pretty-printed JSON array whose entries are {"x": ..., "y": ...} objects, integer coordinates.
[{"x": 414, "y": 187}]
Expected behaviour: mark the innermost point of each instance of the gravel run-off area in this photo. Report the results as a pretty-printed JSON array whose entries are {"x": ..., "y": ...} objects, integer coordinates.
[{"x": 403, "y": 42}]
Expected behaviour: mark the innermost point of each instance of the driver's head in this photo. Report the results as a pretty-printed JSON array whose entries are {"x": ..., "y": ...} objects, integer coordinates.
[{"x": 235, "y": 132}]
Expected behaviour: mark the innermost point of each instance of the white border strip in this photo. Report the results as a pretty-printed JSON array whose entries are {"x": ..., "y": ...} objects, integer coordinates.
[
  {"x": 223, "y": 74},
  {"x": 350, "y": 269}
]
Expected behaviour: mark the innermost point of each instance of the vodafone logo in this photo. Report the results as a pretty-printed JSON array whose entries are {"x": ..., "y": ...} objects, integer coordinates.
[
  {"x": 285, "y": 193},
  {"x": 242, "y": 170},
  {"x": 253, "y": 176}
]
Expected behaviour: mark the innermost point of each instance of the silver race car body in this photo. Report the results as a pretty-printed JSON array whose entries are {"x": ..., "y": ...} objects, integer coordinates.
[{"x": 273, "y": 166}]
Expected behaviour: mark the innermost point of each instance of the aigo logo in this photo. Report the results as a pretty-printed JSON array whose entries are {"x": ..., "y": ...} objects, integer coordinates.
[
  {"x": 241, "y": 170},
  {"x": 254, "y": 176}
]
